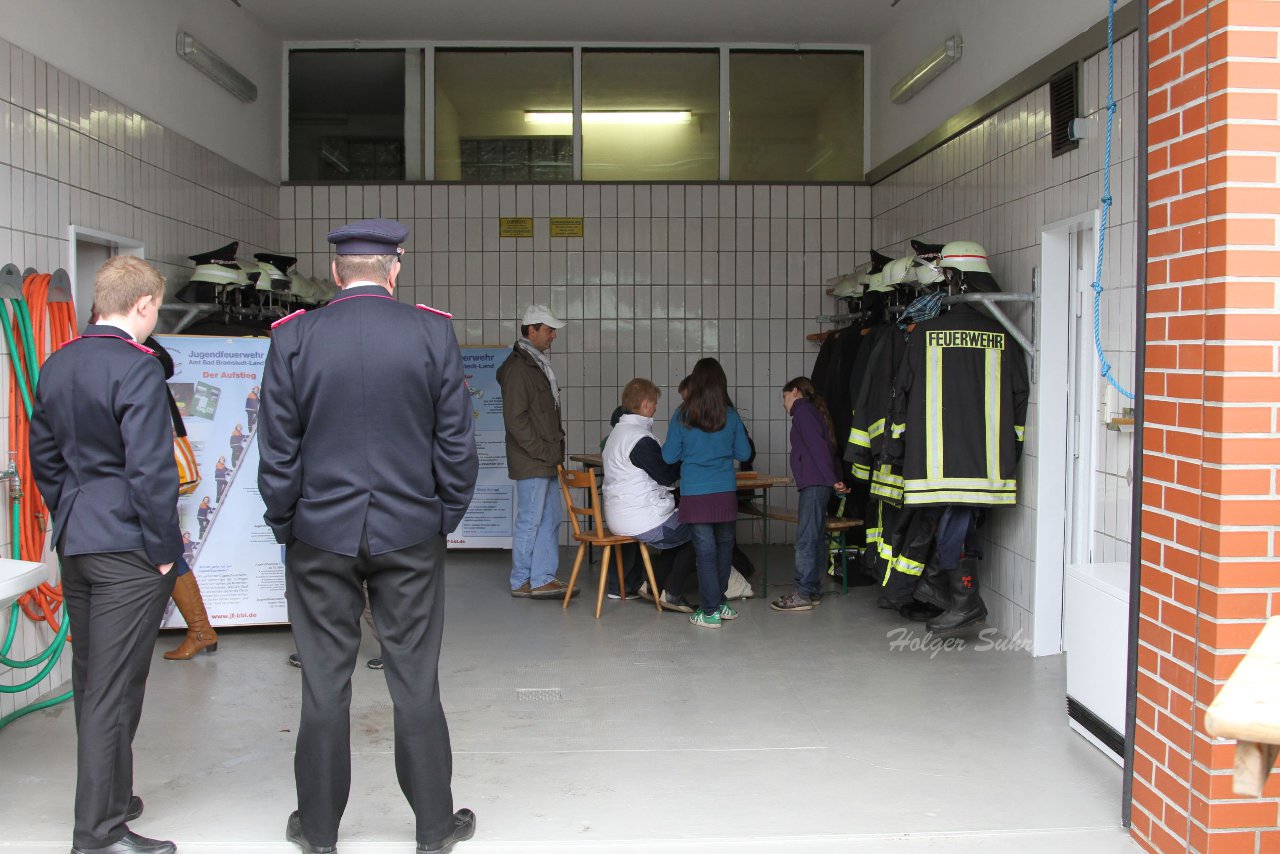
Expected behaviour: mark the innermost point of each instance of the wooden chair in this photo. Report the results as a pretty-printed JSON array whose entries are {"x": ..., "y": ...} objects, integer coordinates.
[{"x": 598, "y": 535}]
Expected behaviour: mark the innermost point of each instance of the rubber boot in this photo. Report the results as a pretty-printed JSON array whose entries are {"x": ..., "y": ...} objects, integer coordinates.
[
  {"x": 920, "y": 612},
  {"x": 967, "y": 607},
  {"x": 934, "y": 586},
  {"x": 200, "y": 635}
]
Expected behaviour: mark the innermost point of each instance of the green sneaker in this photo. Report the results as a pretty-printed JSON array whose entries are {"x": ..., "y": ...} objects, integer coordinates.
[
  {"x": 703, "y": 620},
  {"x": 726, "y": 612}
]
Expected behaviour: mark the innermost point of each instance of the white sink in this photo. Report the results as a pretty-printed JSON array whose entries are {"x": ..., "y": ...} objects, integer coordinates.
[{"x": 17, "y": 577}]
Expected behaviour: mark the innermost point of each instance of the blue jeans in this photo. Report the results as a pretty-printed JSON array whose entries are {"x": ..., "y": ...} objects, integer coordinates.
[
  {"x": 713, "y": 545},
  {"x": 535, "y": 552},
  {"x": 668, "y": 535},
  {"x": 811, "y": 538}
]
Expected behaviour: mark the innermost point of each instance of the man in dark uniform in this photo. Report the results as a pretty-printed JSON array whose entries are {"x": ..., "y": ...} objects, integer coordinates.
[
  {"x": 102, "y": 454},
  {"x": 368, "y": 459}
]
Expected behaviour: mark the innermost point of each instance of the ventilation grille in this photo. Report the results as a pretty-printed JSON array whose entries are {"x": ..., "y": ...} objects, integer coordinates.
[{"x": 1064, "y": 105}]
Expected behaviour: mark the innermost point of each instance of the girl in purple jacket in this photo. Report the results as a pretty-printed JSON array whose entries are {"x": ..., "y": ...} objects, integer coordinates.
[{"x": 813, "y": 466}]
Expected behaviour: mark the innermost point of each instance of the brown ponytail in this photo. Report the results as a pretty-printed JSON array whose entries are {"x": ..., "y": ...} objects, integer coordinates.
[{"x": 805, "y": 386}]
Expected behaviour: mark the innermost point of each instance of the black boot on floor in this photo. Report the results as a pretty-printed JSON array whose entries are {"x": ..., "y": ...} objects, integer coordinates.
[
  {"x": 967, "y": 607},
  {"x": 920, "y": 612}
]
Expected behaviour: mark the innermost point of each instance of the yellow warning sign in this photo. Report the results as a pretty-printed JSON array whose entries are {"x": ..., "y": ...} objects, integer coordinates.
[
  {"x": 515, "y": 226},
  {"x": 566, "y": 226}
]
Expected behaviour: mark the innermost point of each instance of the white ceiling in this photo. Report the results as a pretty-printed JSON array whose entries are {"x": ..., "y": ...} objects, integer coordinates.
[{"x": 841, "y": 22}]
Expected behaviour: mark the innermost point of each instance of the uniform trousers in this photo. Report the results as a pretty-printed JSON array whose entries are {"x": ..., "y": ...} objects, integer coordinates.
[
  {"x": 114, "y": 602},
  {"x": 406, "y": 596}
]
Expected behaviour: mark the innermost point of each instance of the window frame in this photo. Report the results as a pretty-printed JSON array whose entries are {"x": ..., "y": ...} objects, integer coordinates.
[{"x": 426, "y": 117}]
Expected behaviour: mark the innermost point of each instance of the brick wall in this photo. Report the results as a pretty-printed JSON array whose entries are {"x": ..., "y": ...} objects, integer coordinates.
[{"x": 1210, "y": 570}]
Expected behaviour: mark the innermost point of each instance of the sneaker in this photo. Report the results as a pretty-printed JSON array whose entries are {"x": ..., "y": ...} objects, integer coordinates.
[
  {"x": 644, "y": 593},
  {"x": 521, "y": 592},
  {"x": 553, "y": 589},
  {"x": 727, "y": 613},
  {"x": 676, "y": 603},
  {"x": 703, "y": 620},
  {"x": 792, "y": 602}
]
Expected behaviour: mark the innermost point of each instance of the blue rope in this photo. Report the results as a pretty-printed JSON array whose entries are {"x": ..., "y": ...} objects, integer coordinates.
[{"x": 1106, "y": 202}]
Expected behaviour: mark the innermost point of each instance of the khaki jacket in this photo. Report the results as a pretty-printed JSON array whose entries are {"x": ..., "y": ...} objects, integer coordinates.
[{"x": 535, "y": 436}]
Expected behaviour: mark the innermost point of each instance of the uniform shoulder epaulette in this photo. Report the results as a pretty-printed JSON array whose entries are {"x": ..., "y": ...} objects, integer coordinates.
[
  {"x": 143, "y": 347},
  {"x": 438, "y": 311},
  {"x": 288, "y": 317}
]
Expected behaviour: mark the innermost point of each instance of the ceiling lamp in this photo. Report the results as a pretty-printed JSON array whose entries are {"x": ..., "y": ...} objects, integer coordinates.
[
  {"x": 922, "y": 75},
  {"x": 216, "y": 68},
  {"x": 612, "y": 117}
]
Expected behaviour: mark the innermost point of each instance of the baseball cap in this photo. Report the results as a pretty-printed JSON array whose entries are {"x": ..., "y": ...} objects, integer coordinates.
[{"x": 536, "y": 314}]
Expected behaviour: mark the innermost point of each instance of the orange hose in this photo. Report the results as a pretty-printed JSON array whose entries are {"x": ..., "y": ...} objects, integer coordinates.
[{"x": 52, "y": 325}]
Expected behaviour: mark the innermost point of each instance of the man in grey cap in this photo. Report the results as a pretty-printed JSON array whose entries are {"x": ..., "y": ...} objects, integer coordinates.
[
  {"x": 535, "y": 446},
  {"x": 368, "y": 459}
]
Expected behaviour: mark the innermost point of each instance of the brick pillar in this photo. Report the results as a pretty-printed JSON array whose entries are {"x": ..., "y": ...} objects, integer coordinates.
[{"x": 1210, "y": 505}]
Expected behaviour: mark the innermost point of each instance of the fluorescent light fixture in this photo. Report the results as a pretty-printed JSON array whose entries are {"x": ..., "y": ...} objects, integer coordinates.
[
  {"x": 613, "y": 117},
  {"x": 922, "y": 75},
  {"x": 216, "y": 68}
]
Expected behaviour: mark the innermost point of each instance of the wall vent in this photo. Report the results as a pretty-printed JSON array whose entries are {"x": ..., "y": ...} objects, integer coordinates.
[{"x": 1064, "y": 105}]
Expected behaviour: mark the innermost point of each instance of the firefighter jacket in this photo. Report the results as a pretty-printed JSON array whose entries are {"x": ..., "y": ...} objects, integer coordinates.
[
  {"x": 959, "y": 411},
  {"x": 865, "y": 451}
]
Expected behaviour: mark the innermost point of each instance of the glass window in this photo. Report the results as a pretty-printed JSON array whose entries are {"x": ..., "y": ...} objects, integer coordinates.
[
  {"x": 347, "y": 115},
  {"x": 650, "y": 115},
  {"x": 796, "y": 116},
  {"x": 488, "y": 109}
]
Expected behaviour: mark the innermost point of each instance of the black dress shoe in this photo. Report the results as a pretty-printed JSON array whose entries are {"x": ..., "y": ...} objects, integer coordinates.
[
  {"x": 374, "y": 663},
  {"x": 464, "y": 827},
  {"x": 132, "y": 843},
  {"x": 295, "y": 660},
  {"x": 135, "y": 808},
  {"x": 293, "y": 833}
]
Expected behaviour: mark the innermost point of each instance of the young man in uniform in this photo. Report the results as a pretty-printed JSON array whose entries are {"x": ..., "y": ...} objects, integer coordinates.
[
  {"x": 102, "y": 454},
  {"x": 368, "y": 460}
]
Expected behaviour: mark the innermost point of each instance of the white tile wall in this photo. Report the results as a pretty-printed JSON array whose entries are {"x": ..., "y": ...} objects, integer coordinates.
[
  {"x": 664, "y": 275},
  {"x": 997, "y": 184},
  {"x": 70, "y": 155}
]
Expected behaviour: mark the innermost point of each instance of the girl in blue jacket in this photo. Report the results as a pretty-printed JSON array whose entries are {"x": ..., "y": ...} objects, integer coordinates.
[{"x": 705, "y": 436}]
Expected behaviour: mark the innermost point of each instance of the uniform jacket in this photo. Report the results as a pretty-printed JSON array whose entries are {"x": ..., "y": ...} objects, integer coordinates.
[
  {"x": 812, "y": 461},
  {"x": 959, "y": 411},
  {"x": 885, "y": 346},
  {"x": 366, "y": 426},
  {"x": 535, "y": 436},
  {"x": 706, "y": 459},
  {"x": 102, "y": 448}
]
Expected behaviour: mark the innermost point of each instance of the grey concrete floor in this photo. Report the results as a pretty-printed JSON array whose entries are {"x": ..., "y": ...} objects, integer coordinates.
[{"x": 780, "y": 732}]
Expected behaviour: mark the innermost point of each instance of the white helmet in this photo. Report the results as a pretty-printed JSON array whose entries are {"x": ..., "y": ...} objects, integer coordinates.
[
  {"x": 898, "y": 271},
  {"x": 879, "y": 284},
  {"x": 850, "y": 284},
  {"x": 218, "y": 274},
  {"x": 927, "y": 271},
  {"x": 966, "y": 256}
]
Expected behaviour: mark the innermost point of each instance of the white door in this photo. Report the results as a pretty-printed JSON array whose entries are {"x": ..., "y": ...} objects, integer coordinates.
[{"x": 1082, "y": 400}]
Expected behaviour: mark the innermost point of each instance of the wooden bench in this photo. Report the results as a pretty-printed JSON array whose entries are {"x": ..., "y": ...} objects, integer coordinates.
[
  {"x": 836, "y": 527},
  {"x": 1248, "y": 710}
]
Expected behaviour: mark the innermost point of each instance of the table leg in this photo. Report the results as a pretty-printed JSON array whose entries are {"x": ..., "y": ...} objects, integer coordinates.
[
  {"x": 844, "y": 564},
  {"x": 765, "y": 528}
]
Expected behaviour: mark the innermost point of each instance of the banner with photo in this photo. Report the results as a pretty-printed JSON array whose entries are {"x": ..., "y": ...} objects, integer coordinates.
[{"x": 240, "y": 566}]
